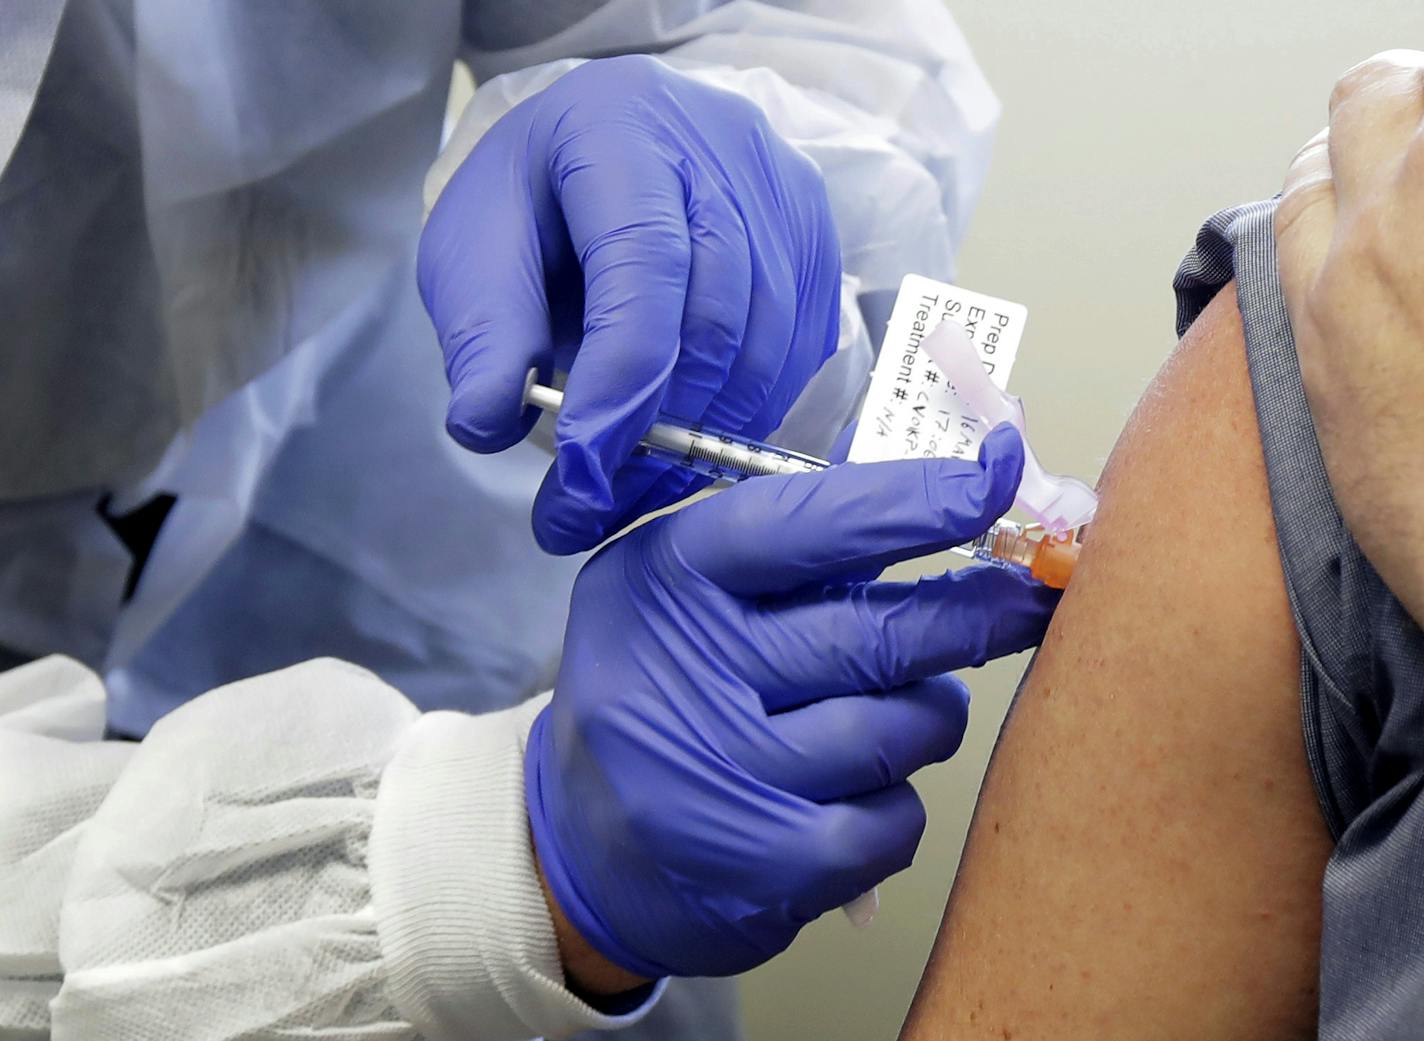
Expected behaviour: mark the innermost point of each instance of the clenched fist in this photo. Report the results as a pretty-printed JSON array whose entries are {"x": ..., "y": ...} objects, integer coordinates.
[{"x": 1350, "y": 230}]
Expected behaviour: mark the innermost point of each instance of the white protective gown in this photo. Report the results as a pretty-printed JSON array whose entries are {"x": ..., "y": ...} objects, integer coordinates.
[{"x": 208, "y": 217}]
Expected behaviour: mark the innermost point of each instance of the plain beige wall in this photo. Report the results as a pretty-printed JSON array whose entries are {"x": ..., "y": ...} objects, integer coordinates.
[{"x": 1124, "y": 126}]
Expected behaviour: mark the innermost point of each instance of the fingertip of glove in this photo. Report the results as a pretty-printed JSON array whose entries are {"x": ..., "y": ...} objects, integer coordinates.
[
  {"x": 1027, "y": 606},
  {"x": 953, "y": 694},
  {"x": 555, "y": 536},
  {"x": 471, "y": 420},
  {"x": 954, "y": 709},
  {"x": 562, "y": 528},
  {"x": 1002, "y": 447},
  {"x": 465, "y": 436},
  {"x": 1010, "y": 585},
  {"x": 1002, "y": 457},
  {"x": 1007, "y": 608},
  {"x": 977, "y": 495}
]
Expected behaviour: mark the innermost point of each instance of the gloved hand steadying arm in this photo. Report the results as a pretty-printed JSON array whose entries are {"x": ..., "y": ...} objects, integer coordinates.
[
  {"x": 737, "y": 711},
  {"x": 652, "y": 236}
]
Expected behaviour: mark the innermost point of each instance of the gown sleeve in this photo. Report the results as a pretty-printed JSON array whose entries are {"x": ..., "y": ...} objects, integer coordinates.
[{"x": 300, "y": 852}]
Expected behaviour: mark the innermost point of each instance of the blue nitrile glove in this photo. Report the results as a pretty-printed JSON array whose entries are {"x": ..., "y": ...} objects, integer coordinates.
[
  {"x": 725, "y": 755},
  {"x": 655, "y": 238}
]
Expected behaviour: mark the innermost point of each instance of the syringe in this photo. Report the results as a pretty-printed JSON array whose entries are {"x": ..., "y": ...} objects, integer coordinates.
[{"x": 725, "y": 457}]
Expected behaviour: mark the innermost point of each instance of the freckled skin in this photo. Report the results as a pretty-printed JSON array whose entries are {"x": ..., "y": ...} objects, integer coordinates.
[{"x": 1154, "y": 862}]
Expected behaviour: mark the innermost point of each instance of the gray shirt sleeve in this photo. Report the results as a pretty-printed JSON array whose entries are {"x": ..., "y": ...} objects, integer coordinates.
[{"x": 1362, "y": 664}]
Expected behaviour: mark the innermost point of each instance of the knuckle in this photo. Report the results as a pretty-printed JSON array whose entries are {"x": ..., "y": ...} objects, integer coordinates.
[
  {"x": 633, "y": 62},
  {"x": 635, "y": 270},
  {"x": 1354, "y": 79},
  {"x": 613, "y": 90},
  {"x": 1372, "y": 72},
  {"x": 1318, "y": 143},
  {"x": 656, "y": 240},
  {"x": 635, "y": 70},
  {"x": 746, "y": 111},
  {"x": 811, "y": 183},
  {"x": 644, "y": 68},
  {"x": 1311, "y": 161}
]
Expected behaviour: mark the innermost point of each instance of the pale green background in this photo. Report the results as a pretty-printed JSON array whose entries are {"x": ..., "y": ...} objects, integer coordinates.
[{"x": 1125, "y": 124}]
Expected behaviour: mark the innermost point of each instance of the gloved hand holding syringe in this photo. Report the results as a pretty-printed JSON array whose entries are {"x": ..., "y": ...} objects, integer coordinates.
[{"x": 1047, "y": 549}]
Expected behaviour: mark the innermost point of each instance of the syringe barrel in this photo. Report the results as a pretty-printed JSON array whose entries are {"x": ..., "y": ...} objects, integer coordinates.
[
  {"x": 722, "y": 457},
  {"x": 719, "y": 456}
]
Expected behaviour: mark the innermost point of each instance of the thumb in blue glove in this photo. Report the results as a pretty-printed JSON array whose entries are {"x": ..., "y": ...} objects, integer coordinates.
[
  {"x": 652, "y": 236},
  {"x": 726, "y": 753}
]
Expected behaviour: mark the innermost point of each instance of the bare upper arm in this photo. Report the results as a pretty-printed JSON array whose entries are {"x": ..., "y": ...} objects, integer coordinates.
[{"x": 1145, "y": 861}]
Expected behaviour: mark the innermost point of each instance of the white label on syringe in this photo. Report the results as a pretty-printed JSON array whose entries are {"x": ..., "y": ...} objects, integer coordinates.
[{"x": 910, "y": 411}]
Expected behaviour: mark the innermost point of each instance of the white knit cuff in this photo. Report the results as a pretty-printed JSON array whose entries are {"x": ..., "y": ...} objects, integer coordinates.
[{"x": 463, "y": 925}]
